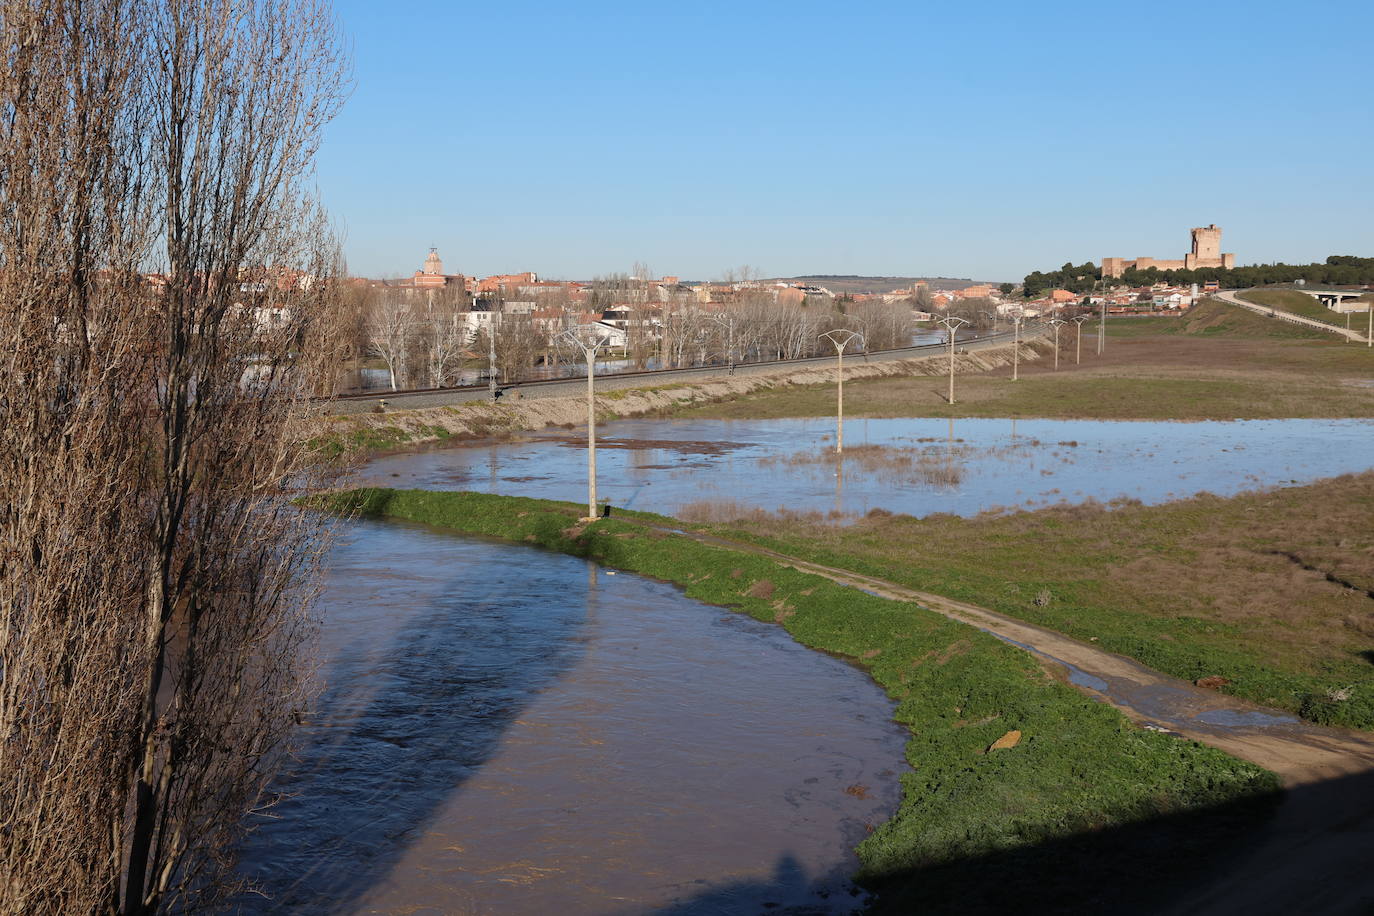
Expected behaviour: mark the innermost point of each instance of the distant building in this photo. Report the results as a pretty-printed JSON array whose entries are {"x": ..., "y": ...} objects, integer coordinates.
[
  {"x": 1206, "y": 253},
  {"x": 432, "y": 275}
]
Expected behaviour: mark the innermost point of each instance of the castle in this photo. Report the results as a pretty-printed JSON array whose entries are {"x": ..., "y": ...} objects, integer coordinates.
[{"x": 1206, "y": 253}]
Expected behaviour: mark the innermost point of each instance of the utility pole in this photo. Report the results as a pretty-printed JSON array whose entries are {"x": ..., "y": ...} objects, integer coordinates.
[
  {"x": 952, "y": 324},
  {"x": 588, "y": 338},
  {"x": 1016, "y": 346},
  {"x": 491, "y": 355},
  {"x": 1057, "y": 323},
  {"x": 841, "y": 338},
  {"x": 728, "y": 322},
  {"x": 1078, "y": 339}
]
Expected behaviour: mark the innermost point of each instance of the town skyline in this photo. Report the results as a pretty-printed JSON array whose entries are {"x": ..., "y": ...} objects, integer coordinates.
[{"x": 893, "y": 140}]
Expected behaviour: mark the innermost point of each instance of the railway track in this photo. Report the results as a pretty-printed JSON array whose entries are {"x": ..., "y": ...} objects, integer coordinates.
[{"x": 413, "y": 398}]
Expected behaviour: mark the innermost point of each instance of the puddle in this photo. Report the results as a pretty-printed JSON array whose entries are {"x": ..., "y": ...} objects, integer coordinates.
[
  {"x": 1231, "y": 718},
  {"x": 912, "y": 466},
  {"x": 513, "y": 731},
  {"x": 1077, "y": 676},
  {"x": 684, "y": 447}
]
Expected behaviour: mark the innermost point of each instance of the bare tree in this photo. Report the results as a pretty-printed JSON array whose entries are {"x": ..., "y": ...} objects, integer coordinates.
[
  {"x": 520, "y": 343},
  {"x": 393, "y": 328},
  {"x": 884, "y": 324},
  {"x": 444, "y": 336},
  {"x": 976, "y": 310},
  {"x": 154, "y": 579}
]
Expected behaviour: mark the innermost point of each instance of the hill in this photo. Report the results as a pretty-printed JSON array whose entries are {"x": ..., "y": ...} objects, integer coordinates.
[{"x": 852, "y": 283}]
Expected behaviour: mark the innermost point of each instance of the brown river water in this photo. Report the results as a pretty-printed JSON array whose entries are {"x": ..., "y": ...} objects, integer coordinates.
[{"x": 506, "y": 730}]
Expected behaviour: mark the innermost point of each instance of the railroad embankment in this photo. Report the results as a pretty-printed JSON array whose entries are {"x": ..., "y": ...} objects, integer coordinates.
[{"x": 395, "y": 430}]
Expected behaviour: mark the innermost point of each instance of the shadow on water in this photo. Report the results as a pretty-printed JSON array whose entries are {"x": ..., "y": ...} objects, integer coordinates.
[
  {"x": 413, "y": 705},
  {"x": 789, "y": 881}
]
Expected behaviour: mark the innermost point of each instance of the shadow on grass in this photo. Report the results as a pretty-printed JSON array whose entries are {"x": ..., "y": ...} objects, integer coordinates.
[{"x": 1305, "y": 850}]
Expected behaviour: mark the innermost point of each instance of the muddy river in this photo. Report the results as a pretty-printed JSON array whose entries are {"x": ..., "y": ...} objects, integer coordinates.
[
  {"x": 914, "y": 466},
  {"x": 507, "y": 730}
]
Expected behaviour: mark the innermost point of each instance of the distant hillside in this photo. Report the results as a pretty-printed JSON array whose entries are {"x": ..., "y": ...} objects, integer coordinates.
[{"x": 850, "y": 283}]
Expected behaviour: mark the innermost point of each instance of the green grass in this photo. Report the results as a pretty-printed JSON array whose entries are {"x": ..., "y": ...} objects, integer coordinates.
[
  {"x": 1081, "y": 769},
  {"x": 366, "y": 439},
  {"x": 1268, "y": 589},
  {"x": 1289, "y": 300}
]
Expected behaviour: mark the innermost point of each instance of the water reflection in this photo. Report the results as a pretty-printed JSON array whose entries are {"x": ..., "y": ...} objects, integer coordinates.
[
  {"x": 507, "y": 730},
  {"x": 916, "y": 466}
]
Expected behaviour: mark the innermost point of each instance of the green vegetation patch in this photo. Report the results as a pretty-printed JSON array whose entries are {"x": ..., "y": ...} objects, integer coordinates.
[
  {"x": 362, "y": 439},
  {"x": 1212, "y": 317},
  {"x": 1270, "y": 590},
  {"x": 1080, "y": 770},
  {"x": 1290, "y": 300}
]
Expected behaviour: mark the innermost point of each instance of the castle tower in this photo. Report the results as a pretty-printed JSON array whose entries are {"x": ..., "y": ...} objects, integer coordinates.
[{"x": 1207, "y": 243}]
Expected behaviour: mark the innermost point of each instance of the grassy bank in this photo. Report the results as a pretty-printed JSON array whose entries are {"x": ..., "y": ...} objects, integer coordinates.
[
  {"x": 1219, "y": 362},
  {"x": 1069, "y": 810},
  {"x": 1272, "y": 590},
  {"x": 1290, "y": 300}
]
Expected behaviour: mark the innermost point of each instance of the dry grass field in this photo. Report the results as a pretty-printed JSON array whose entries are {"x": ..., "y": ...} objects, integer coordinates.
[{"x": 1218, "y": 363}]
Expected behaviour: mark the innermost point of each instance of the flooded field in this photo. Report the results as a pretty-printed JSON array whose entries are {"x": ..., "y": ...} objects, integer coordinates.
[
  {"x": 914, "y": 466},
  {"x": 506, "y": 730}
]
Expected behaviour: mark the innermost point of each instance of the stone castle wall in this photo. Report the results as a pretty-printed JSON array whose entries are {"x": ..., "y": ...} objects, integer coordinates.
[{"x": 1206, "y": 252}]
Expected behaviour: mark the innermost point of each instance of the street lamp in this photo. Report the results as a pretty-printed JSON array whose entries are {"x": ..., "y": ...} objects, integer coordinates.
[
  {"x": 841, "y": 338},
  {"x": 1078, "y": 338},
  {"x": 1016, "y": 344},
  {"x": 952, "y": 323},
  {"x": 491, "y": 355},
  {"x": 588, "y": 338},
  {"x": 728, "y": 321},
  {"x": 1056, "y": 322},
  {"x": 1102, "y": 329}
]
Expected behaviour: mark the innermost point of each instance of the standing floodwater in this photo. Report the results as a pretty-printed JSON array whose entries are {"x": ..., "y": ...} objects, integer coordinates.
[
  {"x": 506, "y": 730},
  {"x": 910, "y": 465}
]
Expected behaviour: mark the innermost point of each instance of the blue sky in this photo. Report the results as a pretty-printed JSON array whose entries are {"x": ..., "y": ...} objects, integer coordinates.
[{"x": 956, "y": 139}]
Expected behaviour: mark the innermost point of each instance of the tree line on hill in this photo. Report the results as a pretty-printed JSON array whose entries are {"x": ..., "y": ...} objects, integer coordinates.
[{"x": 1337, "y": 270}]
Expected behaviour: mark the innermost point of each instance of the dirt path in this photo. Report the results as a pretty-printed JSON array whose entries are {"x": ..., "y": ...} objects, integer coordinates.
[
  {"x": 1298, "y": 751},
  {"x": 1313, "y": 857}
]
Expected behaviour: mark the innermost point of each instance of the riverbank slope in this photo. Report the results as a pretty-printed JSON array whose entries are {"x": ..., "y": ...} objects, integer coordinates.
[{"x": 1014, "y": 772}]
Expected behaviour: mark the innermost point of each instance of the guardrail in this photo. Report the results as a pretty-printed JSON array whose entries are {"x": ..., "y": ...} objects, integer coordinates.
[{"x": 1233, "y": 298}]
